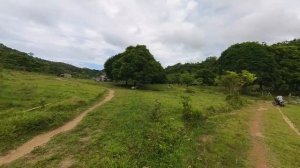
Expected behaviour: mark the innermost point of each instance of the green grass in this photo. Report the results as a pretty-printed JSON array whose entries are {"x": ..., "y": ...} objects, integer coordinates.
[
  {"x": 293, "y": 113},
  {"x": 62, "y": 100},
  {"x": 282, "y": 142},
  {"x": 122, "y": 134}
]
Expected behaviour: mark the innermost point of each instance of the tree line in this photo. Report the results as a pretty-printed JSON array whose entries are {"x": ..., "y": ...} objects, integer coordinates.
[{"x": 276, "y": 66}]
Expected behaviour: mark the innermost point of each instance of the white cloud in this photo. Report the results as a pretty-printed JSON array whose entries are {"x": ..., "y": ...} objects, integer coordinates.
[{"x": 86, "y": 33}]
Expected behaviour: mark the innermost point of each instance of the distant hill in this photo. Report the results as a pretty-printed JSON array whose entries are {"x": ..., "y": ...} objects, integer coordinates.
[{"x": 17, "y": 60}]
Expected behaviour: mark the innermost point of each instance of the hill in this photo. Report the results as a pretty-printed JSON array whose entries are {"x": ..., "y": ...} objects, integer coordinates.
[{"x": 17, "y": 60}]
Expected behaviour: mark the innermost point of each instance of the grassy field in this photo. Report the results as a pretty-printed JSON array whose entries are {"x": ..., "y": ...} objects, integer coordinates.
[
  {"x": 122, "y": 133},
  {"x": 55, "y": 100},
  {"x": 293, "y": 113},
  {"x": 137, "y": 128},
  {"x": 282, "y": 142}
]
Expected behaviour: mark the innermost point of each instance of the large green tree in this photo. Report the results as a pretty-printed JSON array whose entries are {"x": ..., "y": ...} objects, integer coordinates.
[
  {"x": 252, "y": 56},
  {"x": 287, "y": 57},
  {"x": 136, "y": 64}
]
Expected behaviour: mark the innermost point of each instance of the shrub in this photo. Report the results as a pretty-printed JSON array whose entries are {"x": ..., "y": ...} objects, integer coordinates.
[
  {"x": 224, "y": 109},
  {"x": 188, "y": 113},
  {"x": 156, "y": 113},
  {"x": 218, "y": 109},
  {"x": 235, "y": 101},
  {"x": 189, "y": 90}
]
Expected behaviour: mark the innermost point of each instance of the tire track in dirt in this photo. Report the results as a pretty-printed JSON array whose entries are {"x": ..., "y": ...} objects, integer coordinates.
[
  {"x": 45, "y": 137},
  {"x": 258, "y": 153},
  {"x": 289, "y": 122}
]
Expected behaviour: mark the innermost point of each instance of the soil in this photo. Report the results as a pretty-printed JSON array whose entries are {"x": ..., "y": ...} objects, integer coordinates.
[{"x": 258, "y": 153}]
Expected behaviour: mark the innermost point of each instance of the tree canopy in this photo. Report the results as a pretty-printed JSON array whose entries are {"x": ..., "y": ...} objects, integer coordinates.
[
  {"x": 135, "y": 64},
  {"x": 250, "y": 56},
  {"x": 234, "y": 82}
]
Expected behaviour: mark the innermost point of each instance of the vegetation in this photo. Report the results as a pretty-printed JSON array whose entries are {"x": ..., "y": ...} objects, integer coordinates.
[
  {"x": 31, "y": 103},
  {"x": 203, "y": 73},
  {"x": 121, "y": 134},
  {"x": 136, "y": 64},
  {"x": 184, "y": 125},
  {"x": 275, "y": 66},
  {"x": 282, "y": 142},
  {"x": 234, "y": 82},
  {"x": 16, "y": 60}
]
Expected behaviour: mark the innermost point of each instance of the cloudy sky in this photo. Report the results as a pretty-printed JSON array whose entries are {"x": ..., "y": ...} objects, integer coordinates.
[{"x": 86, "y": 32}]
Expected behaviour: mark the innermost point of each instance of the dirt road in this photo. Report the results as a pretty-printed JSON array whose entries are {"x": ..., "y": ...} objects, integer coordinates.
[
  {"x": 45, "y": 137},
  {"x": 258, "y": 153}
]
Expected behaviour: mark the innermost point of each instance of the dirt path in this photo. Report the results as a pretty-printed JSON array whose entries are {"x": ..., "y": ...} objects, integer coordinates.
[
  {"x": 45, "y": 137},
  {"x": 289, "y": 122},
  {"x": 258, "y": 154}
]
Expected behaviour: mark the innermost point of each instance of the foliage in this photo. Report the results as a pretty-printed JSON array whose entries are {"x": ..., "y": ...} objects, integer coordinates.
[
  {"x": 16, "y": 60},
  {"x": 287, "y": 56},
  {"x": 235, "y": 101},
  {"x": 233, "y": 82},
  {"x": 135, "y": 64},
  {"x": 202, "y": 73},
  {"x": 276, "y": 66},
  {"x": 250, "y": 56},
  {"x": 207, "y": 76},
  {"x": 189, "y": 114},
  {"x": 156, "y": 113},
  {"x": 186, "y": 79},
  {"x": 189, "y": 90}
]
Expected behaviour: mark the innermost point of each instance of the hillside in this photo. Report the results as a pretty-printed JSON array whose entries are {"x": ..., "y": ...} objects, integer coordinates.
[{"x": 17, "y": 60}]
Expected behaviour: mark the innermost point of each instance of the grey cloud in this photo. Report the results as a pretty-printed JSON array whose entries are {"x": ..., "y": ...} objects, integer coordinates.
[{"x": 86, "y": 33}]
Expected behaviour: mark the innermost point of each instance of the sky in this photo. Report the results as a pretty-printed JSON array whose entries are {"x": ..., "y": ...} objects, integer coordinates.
[{"x": 87, "y": 32}]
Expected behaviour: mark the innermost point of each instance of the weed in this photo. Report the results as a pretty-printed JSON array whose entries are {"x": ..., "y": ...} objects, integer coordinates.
[
  {"x": 156, "y": 113},
  {"x": 42, "y": 103},
  {"x": 189, "y": 90},
  {"x": 188, "y": 114},
  {"x": 235, "y": 101}
]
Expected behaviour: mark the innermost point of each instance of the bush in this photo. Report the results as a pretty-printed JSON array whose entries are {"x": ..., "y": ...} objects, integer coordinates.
[
  {"x": 189, "y": 90},
  {"x": 235, "y": 101},
  {"x": 156, "y": 113},
  {"x": 218, "y": 109},
  {"x": 188, "y": 113}
]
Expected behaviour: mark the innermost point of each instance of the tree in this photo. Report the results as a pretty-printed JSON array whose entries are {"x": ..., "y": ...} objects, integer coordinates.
[
  {"x": 135, "y": 64},
  {"x": 287, "y": 56},
  {"x": 251, "y": 56},
  {"x": 233, "y": 82},
  {"x": 173, "y": 78},
  {"x": 187, "y": 79},
  {"x": 108, "y": 65},
  {"x": 207, "y": 76}
]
